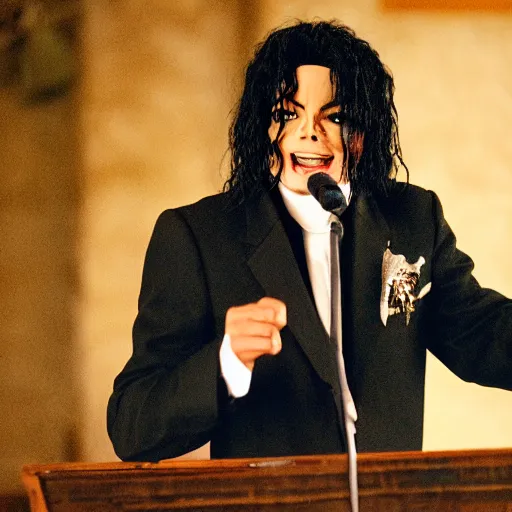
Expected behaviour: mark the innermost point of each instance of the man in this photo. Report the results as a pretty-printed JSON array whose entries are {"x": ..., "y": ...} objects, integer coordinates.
[{"x": 230, "y": 343}]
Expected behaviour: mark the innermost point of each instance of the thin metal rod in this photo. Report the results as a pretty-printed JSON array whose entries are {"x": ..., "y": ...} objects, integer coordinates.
[{"x": 349, "y": 412}]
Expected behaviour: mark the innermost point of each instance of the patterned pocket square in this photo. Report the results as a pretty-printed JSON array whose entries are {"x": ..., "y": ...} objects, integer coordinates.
[{"x": 399, "y": 283}]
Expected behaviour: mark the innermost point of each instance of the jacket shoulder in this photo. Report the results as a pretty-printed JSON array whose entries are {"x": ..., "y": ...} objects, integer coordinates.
[
  {"x": 211, "y": 218},
  {"x": 406, "y": 199},
  {"x": 203, "y": 210}
]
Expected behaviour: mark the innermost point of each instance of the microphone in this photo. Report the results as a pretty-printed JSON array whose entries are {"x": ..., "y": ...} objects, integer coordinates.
[{"x": 326, "y": 191}]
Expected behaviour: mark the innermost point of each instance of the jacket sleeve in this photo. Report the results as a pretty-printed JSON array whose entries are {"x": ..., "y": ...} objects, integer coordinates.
[
  {"x": 471, "y": 326},
  {"x": 165, "y": 401}
]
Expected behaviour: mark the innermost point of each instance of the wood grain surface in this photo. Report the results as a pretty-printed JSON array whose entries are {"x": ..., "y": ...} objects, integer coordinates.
[{"x": 428, "y": 481}]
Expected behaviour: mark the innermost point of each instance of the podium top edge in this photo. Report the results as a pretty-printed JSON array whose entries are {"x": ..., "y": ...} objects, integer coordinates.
[{"x": 501, "y": 456}]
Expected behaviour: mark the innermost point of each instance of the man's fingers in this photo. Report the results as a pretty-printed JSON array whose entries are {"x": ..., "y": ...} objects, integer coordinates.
[
  {"x": 247, "y": 347},
  {"x": 260, "y": 312},
  {"x": 279, "y": 309},
  {"x": 252, "y": 328}
]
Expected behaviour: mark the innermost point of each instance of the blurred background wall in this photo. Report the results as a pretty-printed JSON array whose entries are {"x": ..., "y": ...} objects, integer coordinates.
[{"x": 87, "y": 167}]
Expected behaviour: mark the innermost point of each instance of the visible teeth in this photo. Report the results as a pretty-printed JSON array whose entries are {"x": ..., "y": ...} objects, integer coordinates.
[{"x": 311, "y": 162}]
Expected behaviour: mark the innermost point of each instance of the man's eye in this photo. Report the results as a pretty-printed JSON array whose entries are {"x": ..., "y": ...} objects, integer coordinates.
[
  {"x": 288, "y": 115},
  {"x": 283, "y": 115},
  {"x": 335, "y": 117}
]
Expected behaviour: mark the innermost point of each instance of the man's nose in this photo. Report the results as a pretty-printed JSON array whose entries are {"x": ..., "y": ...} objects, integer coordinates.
[{"x": 310, "y": 129}]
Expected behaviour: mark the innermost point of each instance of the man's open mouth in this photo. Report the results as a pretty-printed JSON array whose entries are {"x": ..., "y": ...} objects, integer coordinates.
[{"x": 312, "y": 161}]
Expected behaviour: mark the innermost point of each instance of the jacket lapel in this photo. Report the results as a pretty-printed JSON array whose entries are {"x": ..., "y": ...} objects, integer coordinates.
[
  {"x": 367, "y": 236},
  {"x": 273, "y": 264},
  {"x": 371, "y": 235}
]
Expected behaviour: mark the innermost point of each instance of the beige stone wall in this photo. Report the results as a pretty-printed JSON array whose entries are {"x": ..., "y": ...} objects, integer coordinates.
[
  {"x": 160, "y": 80},
  {"x": 39, "y": 195}
]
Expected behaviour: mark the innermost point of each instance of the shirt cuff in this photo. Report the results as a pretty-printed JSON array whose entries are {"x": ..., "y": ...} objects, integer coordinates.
[{"x": 236, "y": 375}]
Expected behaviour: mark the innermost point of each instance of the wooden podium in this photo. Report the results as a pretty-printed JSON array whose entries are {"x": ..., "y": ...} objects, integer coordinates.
[{"x": 471, "y": 481}]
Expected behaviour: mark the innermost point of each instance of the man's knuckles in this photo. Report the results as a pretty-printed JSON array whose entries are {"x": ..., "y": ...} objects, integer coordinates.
[{"x": 256, "y": 344}]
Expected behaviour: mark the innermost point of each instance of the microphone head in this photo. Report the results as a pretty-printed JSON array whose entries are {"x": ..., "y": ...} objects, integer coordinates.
[{"x": 326, "y": 191}]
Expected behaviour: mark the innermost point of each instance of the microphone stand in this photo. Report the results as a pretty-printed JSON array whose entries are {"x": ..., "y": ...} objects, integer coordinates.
[{"x": 349, "y": 412}]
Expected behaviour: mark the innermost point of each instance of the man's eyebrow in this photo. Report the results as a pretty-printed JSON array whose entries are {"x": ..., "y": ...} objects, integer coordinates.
[
  {"x": 296, "y": 103},
  {"x": 290, "y": 99},
  {"x": 329, "y": 105}
]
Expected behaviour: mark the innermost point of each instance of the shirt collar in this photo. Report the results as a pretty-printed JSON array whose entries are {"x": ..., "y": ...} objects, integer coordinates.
[{"x": 306, "y": 210}]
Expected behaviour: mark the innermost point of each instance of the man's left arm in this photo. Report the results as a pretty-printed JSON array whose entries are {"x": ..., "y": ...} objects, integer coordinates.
[{"x": 471, "y": 326}]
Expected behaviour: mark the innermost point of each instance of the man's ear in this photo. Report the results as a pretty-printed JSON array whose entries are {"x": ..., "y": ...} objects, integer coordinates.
[
  {"x": 355, "y": 146},
  {"x": 353, "y": 143}
]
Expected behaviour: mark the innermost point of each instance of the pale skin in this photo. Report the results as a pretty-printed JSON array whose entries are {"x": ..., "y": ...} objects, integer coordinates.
[
  {"x": 310, "y": 142},
  {"x": 254, "y": 329}
]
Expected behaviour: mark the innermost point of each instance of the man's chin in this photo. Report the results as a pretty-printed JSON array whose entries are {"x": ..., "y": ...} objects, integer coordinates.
[
  {"x": 298, "y": 182},
  {"x": 299, "y": 186}
]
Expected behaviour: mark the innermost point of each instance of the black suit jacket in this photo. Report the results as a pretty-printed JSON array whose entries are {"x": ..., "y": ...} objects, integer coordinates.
[{"x": 204, "y": 258}]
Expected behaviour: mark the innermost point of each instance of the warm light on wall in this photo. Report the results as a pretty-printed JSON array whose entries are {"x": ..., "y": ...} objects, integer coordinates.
[{"x": 504, "y": 6}]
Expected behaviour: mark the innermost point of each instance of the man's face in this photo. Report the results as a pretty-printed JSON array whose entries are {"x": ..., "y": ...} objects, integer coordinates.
[{"x": 311, "y": 138}]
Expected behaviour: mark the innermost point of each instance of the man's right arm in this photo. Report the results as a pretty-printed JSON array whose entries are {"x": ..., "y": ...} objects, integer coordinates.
[{"x": 166, "y": 400}]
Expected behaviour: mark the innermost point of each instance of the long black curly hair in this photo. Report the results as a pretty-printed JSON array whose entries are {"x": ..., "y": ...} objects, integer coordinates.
[{"x": 363, "y": 87}]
